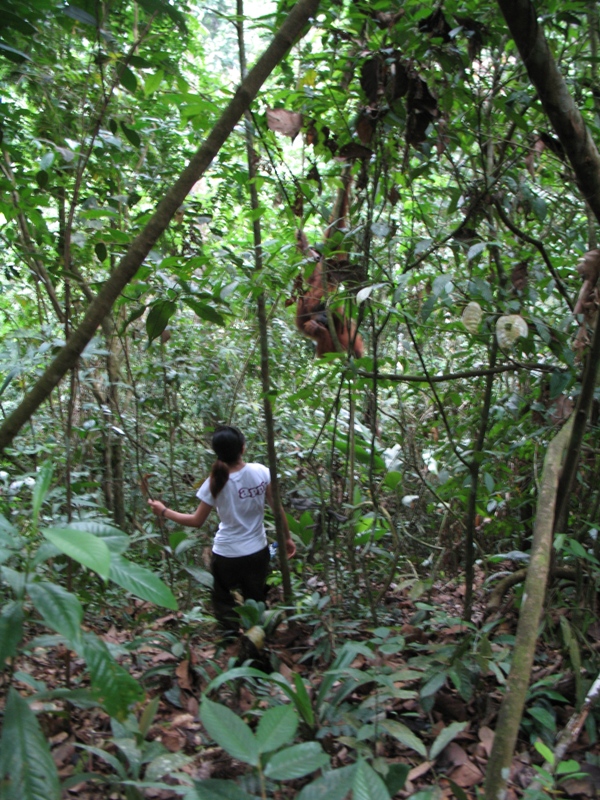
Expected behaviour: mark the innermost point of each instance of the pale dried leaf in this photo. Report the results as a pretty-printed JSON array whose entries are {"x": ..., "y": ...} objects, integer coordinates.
[{"x": 283, "y": 121}]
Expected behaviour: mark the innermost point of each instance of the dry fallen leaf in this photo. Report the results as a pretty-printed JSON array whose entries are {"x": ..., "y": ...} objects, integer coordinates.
[
  {"x": 466, "y": 775},
  {"x": 183, "y": 675},
  {"x": 420, "y": 770},
  {"x": 486, "y": 737},
  {"x": 283, "y": 121}
]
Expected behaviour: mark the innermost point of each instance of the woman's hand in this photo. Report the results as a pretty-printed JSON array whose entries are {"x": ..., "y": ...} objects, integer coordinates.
[
  {"x": 158, "y": 507},
  {"x": 290, "y": 548}
]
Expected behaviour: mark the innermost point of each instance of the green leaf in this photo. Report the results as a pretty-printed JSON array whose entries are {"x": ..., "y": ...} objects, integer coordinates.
[
  {"x": 8, "y": 533},
  {"x": 10, "y": 20},
  {"x": 296, "y": 761},
  {"x": 396, "y": 777},
  {"x": 17, "y": 56},
  {"x": 152, "y": 82},
  {"x": 79, "y": 15},
  {"x": 131, "y": 135},
  {"x": 165, "y": 7},
  {"x": 112, "y": 685},
  {"x": 446, "y": 736},
  {"x": 11, "y": 631},
  {"x": 141, "y": 582},
  {"x": 60, "y": 609},
  {"x": 569, "y": 767},
  {"x": 544, "y": 751},
  {"x": 367, "y": 784},
  {"x": 148, "y": 715},
  {"x": 40, "y": 490},
  {"x": 558, "y": 383},
  {"x": 203, "y": 577},
  {"x": 228, "y": 731},
  {"x": 404, "y": 735},
  {"x": 433, "y": 684},
  {"x": 135, "y": 314},
  {"x": 334, "y": 785},
  {"x": 8, "y": 380},
  {"x": 42, "y": 178},
  {"x": 204, "y": 311},
  {"x": 392, "y": 479},
  {"x": 158, "y": 317},
  {"x": 345, "y": 657},
  {"x": 114, "y": 538},
  {"x": 81, "y": 546},
  {"x": 476, "y": 250},
  {"x": 215, "y": 789},
  {"x": 127, "y": 78},
  {"x": 101, "y": 251},
  {"x": 165, "y": 764},
  {"x": 302, "y": 700},
  {"x": 276, "y": 727},
  {"x": 27, "y": 769},
  {"x": 544, "y": 717}
]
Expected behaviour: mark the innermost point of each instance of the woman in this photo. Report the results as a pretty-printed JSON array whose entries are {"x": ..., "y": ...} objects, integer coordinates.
[{"x": 240, "y": 554}]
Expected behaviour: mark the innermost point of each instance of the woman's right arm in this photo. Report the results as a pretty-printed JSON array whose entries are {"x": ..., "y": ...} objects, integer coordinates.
[{"x": 195, "y": 520}]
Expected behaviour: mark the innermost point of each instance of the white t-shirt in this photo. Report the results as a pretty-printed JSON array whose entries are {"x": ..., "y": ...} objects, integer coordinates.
[{"x": 241, "y": 508}]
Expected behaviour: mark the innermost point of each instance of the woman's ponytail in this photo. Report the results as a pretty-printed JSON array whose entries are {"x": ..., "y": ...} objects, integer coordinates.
[
  {"x": 228, "y": 443},
  {"x": 219, "y": 475}
]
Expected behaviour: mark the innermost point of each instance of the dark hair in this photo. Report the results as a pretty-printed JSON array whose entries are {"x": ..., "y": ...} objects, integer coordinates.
[{"x": 228, "y": 443}]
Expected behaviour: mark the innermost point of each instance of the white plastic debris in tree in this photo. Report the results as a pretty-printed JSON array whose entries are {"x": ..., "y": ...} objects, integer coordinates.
[
  {"x": 472, "y": 316},
  {"x": 509, "y": 328}
]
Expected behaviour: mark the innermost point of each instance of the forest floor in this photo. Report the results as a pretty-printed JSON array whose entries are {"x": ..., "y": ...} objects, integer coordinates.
[{"x": 444, "y": 684}]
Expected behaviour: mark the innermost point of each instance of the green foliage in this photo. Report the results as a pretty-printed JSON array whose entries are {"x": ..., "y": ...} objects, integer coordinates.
[
  {"x": 265, "y": 750},
  {"x": 27, "y": 770},
  {"x": 60, "y": 609}
]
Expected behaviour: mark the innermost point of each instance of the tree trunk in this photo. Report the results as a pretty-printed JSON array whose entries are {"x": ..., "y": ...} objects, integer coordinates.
[
  {"x": 291, "y": 28},
  {"x": 511, "y": 709},
  {"x": 570, "y": 127},
  {"x": 288, "y": 595}
]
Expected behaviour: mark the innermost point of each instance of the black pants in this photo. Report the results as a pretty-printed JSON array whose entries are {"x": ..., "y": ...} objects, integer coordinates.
[{"x": 247, "y": 574}]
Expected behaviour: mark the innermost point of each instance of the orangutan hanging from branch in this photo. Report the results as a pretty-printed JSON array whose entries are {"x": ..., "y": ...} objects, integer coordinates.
[{"x": 328, "y": 326}]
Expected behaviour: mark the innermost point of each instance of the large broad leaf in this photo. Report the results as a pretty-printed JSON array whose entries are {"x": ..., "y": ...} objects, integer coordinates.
[
  {"x": 345, "y": 657},
  {"x": 11, "y": 631},
  {"x": 25, "y": 761},
  {"x": 404, "y": 735},
  {"x": 296, "y": 761},
  {"x": 9, "y": 535},
  {"x": 204, "y": 311},
  {"x": 201, "y": 575},
  {"x": 334, "y": 785},
  {"x": 158, "y": 317},
  {"x": 214, "y": 789},
  {"x": 114, "y": 538},
  {"x": 18, "y": 56},
  {"x": 165, "y": 764},
  {"x": 81, "y": 546},
  {"x": 40, "y": 490},
  {"x": 228, "y": 731},
  {"x": 60, "y": 609},
  {"x": 112, "y": 685},
  {"x": 367, "y": 784},
  {"x": 141, "y": 582},
  {"x": 277, "y": 727},
  {"x": 235, "y": 674}
]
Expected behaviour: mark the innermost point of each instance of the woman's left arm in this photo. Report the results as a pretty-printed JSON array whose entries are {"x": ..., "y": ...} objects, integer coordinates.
[{"x": 195, "y": 520}]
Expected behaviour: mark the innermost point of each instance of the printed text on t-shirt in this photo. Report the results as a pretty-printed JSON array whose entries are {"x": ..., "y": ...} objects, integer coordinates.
[{"x": 252, "y": 491}]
